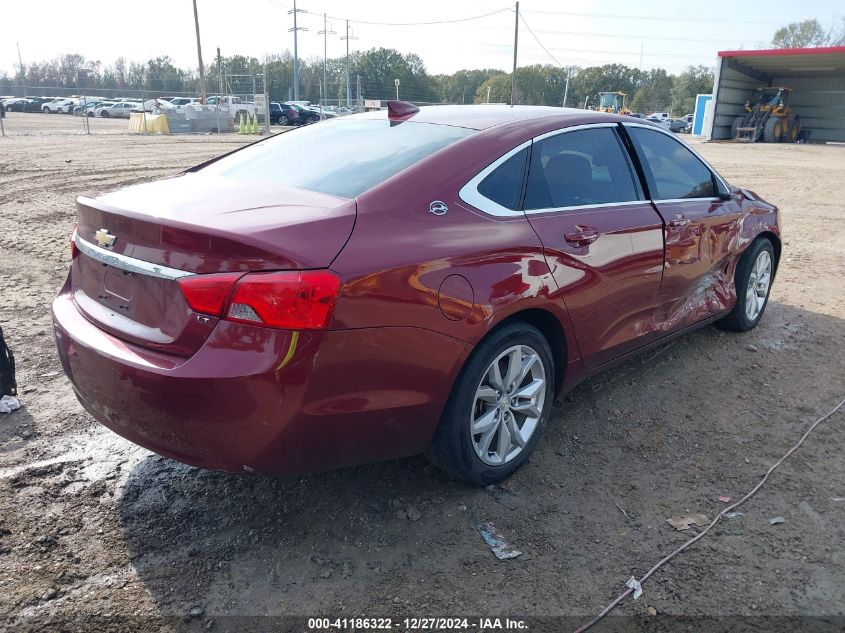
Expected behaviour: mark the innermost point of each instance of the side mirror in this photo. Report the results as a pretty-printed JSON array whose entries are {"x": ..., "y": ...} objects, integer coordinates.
[{"x": 724, "y": 196}]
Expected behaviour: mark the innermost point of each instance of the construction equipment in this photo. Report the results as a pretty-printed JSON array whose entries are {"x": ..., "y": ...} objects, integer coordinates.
[
  {"x": 767, "y": 117},
  {"x": 613, "y": 102}
]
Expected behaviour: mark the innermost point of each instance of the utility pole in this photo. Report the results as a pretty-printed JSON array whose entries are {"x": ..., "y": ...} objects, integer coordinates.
[
  {"x": 220, "y": 70},
  {"x": 85, "y": 122},
  {"x": 515, "y": 42},
  {"x": 220, "y": 85},
  {"x": 348, "y": 85},
  {"x": 266, "y": 101},
  {"x": 295, "y": 29},
  {"x": 325, "y": 33},
  {"x": 23, "y": 72},
  {"x": 358, "y": 99},
  {"x": 566, "y": 87},
  {"x": 199, "y": 54}
]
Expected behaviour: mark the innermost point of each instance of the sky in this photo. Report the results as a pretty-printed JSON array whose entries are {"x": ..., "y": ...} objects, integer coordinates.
[{"x": 646, "y": 34}]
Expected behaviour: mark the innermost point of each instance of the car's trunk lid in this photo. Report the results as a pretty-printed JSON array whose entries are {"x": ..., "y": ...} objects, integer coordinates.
[{"x": 192, "y": 224}]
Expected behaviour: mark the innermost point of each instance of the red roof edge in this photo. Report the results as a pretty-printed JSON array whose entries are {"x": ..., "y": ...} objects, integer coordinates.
[{"x": 769, "y": 52}]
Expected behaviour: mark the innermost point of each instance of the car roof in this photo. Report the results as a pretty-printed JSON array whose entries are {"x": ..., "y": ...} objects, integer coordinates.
[{"x": 481, "y": 117}]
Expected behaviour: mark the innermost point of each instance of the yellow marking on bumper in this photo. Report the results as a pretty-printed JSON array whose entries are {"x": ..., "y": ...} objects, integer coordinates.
[{"x": 294, "y": 339}]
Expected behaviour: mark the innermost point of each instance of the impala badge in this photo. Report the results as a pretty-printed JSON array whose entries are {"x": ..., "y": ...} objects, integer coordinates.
[
  {"x": 104, "y": 238},
  {"x": 438, "y": 208}
]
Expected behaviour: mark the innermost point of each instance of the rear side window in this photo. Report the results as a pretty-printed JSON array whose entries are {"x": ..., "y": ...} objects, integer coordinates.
[
  {"x": 341, "y": 157},
  {"x": 672, "y": 171},
  {"x": 504, "y": 184},
  {"x": 579, "y": 168}
]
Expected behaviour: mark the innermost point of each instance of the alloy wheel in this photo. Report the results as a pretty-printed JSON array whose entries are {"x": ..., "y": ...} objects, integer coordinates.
[
  {"x": 758, "y": 285},
  {"x": 508, "y": 405}
]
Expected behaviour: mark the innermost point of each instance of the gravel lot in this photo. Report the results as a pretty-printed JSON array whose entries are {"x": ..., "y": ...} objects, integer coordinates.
[{"x": 91, "y": 526}]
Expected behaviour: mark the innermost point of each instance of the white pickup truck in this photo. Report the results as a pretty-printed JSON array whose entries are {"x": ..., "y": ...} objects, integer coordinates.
[
  {"x": 236, "y": 107},
  {"x": 663, "y": 116}
]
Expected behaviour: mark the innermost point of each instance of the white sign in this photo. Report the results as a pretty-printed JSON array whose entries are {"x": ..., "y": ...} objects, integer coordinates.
[
  {"x": 396, "y": 82},
  {"x": 372, "y": 103},
  {"x": 260, "y": 104}
]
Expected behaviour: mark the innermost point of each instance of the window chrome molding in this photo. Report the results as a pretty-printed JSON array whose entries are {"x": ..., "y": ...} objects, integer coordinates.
[
  {"x": 587, "y": 207},
  {"x": 575, "y": 128},
  {"x": 129, "y": 264},
  {"x": 676, "y": 200},
  {"x": 674, "y": 137},
  {"x": 469, "y": 192}
]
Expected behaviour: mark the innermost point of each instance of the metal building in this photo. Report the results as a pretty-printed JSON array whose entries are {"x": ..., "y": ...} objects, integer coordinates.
[{"x": 816, "y": 76}]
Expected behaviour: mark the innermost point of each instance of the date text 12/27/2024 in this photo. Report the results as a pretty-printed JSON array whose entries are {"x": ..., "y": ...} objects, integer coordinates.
[{"x": 416, "y": 624}]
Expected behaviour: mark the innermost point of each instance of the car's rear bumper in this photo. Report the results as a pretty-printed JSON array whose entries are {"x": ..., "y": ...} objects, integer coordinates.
[{"x": 262, "y": 400}]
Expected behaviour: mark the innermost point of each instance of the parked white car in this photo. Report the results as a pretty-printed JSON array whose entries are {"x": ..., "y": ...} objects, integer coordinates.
[
  {"x": 58, "y": 105},
  {"x": 663, "y": 116},
  {"x": 179, "y": 102},
  {"x": 120, "y": 110}
]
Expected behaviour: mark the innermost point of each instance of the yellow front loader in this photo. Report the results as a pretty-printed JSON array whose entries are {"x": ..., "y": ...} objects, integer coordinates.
[
  {"x": 613, "y": 102},
  {"x": 768, "y": 117}
]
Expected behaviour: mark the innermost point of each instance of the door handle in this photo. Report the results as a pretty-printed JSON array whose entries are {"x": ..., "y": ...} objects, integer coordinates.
[
  {"x": 582, "y": 236},
  {"x": 679, "y": 220}
]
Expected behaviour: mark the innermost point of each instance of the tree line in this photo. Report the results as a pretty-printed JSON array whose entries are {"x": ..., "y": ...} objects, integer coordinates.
[{"x": 375, "y": 70}]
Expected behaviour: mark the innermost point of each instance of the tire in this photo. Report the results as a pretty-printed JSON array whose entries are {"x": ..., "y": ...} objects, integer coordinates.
[
  {"x": 773, "y": 132},
  {"x": 794, "y": 129},
  {"x": 283, "y": 120},
  {"x": 104, "y": 114},
  {"x": 735, "y": 125},
  {"x": 45, "y": 110},
  {"x": 455, "y": 448},
  {"x": 741, "y": 318}
]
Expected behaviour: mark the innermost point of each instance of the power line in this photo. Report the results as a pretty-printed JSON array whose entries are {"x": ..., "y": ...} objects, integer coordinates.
[
  {"x": 427, "y": 23},
  {"x": 615, "y": 16},
  {"x": 606, "y": 52},
  {"x": 537, "y": 39},
  {"x": 625, "y": 36}
]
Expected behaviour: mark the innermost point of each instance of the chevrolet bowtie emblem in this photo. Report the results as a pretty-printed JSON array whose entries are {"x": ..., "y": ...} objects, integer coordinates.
[{"x": 104, "y": 238}]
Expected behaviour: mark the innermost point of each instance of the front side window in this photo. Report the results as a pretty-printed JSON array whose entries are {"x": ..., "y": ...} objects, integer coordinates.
[
  {"x": 672, "y": 171},
  {"x": 341, "y": 157},
  {"x": 579, "y": 168}
]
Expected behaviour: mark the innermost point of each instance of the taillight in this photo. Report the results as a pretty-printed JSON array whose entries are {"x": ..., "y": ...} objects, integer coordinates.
[
  {"x": 74, "y": 251},
  {"x": 208, "y": 293},
  {"x": 295, "y": 300},
  {"x": 301, "y": 300}
]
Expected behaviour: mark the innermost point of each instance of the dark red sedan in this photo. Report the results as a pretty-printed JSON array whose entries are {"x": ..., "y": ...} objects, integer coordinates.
[{"x": 425, "y": 281}]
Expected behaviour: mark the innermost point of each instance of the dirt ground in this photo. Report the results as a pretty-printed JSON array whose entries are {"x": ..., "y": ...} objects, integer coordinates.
[{"x": 94, "y": 527}]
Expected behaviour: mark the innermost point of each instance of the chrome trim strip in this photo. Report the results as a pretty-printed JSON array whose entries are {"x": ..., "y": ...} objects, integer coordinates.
[
  {"x": 129, "y": 264},
  {"x": 674, "y": 137},
  {"x": 575, "y": 128},
  {"x": 673, "y": 200},
  {"x": 624, "y": 203}
]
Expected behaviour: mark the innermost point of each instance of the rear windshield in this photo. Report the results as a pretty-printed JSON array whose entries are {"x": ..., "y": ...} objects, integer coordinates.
[{"x": 341, "y": 157}]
